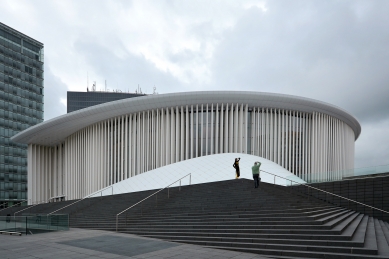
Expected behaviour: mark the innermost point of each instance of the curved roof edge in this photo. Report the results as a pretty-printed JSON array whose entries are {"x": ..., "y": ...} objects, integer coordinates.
[{"x": 54, "y": 131}]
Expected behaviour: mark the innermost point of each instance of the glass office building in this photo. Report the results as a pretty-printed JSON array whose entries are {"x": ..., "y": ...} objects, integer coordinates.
[
  {"x": 80, "y": 100},
  {"x": 21, "y": 106}
]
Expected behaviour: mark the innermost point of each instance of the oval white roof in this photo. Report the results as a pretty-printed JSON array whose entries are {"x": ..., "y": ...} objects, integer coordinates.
[
  {"x": 205, "y": 169},
  {"x": 54, "y": 131}
]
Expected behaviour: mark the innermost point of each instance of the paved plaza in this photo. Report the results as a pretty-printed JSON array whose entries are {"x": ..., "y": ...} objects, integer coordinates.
[{"x": 80, "y": 243}]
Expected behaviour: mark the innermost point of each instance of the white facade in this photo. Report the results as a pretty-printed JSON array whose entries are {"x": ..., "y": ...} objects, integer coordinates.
[{"x": 82, "y": 152}]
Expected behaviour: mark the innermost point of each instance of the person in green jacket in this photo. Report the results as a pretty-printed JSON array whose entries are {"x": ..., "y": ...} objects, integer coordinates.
[{"x": 255, "y": 170}]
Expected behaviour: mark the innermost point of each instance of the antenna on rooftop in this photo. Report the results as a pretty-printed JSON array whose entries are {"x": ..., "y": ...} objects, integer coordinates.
[{"x": 94, "y": 86}]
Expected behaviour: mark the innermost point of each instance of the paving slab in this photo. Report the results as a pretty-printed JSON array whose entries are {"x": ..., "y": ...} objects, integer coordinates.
[{"x": 81, "y": 243}]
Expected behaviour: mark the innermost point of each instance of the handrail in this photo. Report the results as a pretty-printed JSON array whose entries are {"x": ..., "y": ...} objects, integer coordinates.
[
  {"x": 14, "y": 204},
  {"x": 117, "y": 215},
  {"x": 111, "y": 186},
  {"x": 326, "y": 192},
  {"x": 29, "y": 207}
]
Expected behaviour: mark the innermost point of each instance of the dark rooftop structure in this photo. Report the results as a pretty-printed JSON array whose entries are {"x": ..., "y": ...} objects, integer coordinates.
[{"x": 80, "y": 100}]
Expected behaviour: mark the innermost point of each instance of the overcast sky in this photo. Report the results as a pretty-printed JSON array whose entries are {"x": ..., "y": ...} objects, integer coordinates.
[{"x": 332, "y": 51}]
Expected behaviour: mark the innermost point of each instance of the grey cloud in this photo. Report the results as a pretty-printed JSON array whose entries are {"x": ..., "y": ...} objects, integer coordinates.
[
  {"x": 125, "y": 73},
  {"x": 327, "y": 50},
  {"x": 333, "y": 51},
  {"x": 54, "y": 90},
  {"x": 371, "y": 147}
]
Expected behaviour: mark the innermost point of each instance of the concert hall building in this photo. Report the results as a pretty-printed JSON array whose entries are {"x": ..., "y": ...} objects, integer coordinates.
[{"x": 81, "y": 152}]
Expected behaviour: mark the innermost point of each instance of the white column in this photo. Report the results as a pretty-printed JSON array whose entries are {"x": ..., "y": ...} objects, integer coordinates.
[
  {"x": 231, "y": 129},
  {"x": 168, "y": 132},
  {"x": 222, "y": 126},
  {"x": 191, "y": 132},
  {"x": 121, "y": 147},
  {"x": 177, "y": 136},
  {"x": 206, "y": 131},
  {"x": 279, "y": 137},
  {"x": 217, "y": 128},
  {"x": 211, "y": 137},
  {"x": 236, "y": 128},
  {"x": 187, "y": 133},
  {"x": 240, "y": 139},
  {"x": 226, "y": 132},
  {"x": 183, "y": 136},
  {"x": 170, "y": 144},
  {"x": 146, "y": 148},
  {"x": 283, "y": 138},
  {"x": 202, "y": 131},
  {"x": 270, "y": 135},
  {"x": 162, "y": 138},
  {"x": 143, "y": 133},
  {"x": 289, "y": 141},
  {"x": 246, "y": 114}
]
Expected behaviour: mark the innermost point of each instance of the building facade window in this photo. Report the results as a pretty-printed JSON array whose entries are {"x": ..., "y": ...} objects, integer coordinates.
[{"x": 21, "y": 106}]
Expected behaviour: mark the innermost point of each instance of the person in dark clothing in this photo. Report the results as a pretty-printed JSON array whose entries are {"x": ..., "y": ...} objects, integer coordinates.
[
  {"x": 255, "y": 170},
  {"x": 236, "y": 166}
]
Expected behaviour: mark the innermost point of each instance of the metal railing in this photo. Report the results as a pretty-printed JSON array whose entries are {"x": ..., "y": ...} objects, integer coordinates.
[
  {"x": 111, "y": 186},
  {"x": 14, "y": 204},
  {"x": 40, "y": 202},
  {"x": 33, "y": 205},
  {"x": 190, "y": 179},
  {"x": 333, "y": 194}
]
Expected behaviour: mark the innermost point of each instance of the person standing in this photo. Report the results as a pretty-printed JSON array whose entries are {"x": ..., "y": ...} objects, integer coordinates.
[
  {"x": 255, "y": 170},
  {"x": 236, "y": 166}
]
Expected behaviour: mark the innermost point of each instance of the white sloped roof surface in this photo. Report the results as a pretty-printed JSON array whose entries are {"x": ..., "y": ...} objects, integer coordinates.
[{"x": 211, "y": 168}]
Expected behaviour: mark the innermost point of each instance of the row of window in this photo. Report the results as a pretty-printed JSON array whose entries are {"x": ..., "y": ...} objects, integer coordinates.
[
  {"x": 31, "y": 47},
  {"x": 12, "y": 169},
  {"x": 26, "y": 57},
  {"x": 13, "y": 195},
  {"x": 6, "y": 142},
  {"x": 8, "y": 100},
  {"x": 5, "y": 186},
  {"x": 8, "y": 125},
  {"x": 24, "y": 104},
  {"x": 9, "y": 36},
  {"x": 34, "y": 110},
  {"x": 17, "y": 178},
  {"x": 19, "y": 121},
  {"x": 21, "y": 80},
  {"x": 8, "y": 132},
  {"x": 26, "y": 47},
  {"x": 13, "y": 156},
  {"x": 10, "y": 67},
  {"x": 28, "y": 91}
]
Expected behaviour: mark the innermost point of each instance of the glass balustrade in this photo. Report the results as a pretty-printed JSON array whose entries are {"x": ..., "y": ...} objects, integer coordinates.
[{"x": 34, "y": 224}]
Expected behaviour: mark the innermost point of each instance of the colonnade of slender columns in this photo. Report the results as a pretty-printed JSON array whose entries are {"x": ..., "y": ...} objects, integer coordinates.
[
  {"x": 313, "y": 146},
  {"x": 306, "y": 144}
]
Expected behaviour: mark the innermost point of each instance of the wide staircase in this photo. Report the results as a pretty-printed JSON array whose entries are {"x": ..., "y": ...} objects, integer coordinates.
[{"x": 272, "y": 220}]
